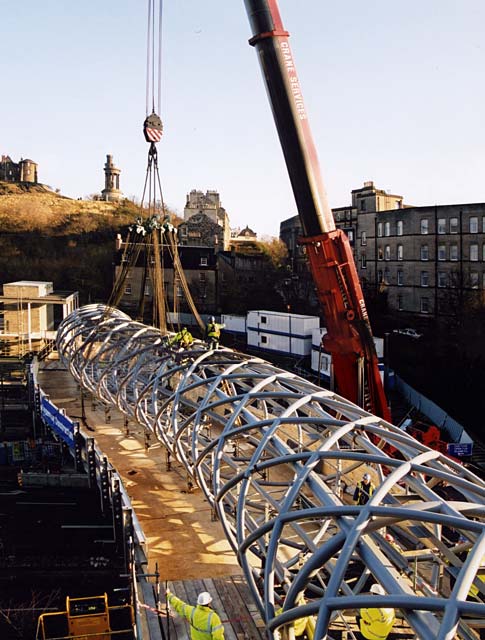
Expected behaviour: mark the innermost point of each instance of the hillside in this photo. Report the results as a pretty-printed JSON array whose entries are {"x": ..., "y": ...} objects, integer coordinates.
[
  {"x": 35, "y": 208},
  {"x": 46, "y": 236}
]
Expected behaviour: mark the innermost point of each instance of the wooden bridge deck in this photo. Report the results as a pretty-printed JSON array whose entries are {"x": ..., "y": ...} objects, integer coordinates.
[{"x": 232, "y": 601}]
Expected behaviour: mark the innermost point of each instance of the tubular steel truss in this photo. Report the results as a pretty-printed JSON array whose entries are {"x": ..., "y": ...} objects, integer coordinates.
[{"x": 276, "y": 457}]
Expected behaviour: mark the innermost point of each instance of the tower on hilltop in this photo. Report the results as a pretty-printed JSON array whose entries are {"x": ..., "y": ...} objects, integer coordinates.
[{"x": 111, "y": 189}]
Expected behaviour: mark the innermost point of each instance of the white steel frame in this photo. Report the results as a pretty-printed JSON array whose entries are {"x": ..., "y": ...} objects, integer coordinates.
[{"x": 275, "y": 456}]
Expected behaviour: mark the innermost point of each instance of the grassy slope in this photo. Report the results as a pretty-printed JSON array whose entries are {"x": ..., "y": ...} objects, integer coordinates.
[{"x": 45, "y": 236}]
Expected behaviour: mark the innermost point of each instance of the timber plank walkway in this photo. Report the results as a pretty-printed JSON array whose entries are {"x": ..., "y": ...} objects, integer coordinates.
[{"x": 232, "y": 601}]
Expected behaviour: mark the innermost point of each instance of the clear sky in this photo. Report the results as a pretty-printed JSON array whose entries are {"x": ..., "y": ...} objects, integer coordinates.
[{"x": 395, "y": 92}]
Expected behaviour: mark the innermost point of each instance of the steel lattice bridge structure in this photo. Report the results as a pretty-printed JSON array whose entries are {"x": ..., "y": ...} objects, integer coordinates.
[{"x": 275, "y": 456}]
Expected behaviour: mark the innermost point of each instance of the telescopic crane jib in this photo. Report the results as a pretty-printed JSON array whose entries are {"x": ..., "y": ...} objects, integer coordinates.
[{"x": 349, "y": 337}]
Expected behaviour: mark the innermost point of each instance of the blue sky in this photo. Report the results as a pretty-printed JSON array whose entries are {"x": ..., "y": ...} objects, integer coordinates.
[{"x": 395, "y": 93}]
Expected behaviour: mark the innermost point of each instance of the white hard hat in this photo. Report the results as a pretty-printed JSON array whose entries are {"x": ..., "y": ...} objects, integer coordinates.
[
  {"x": 377, "y": 589},
  {"x": 366, "y": 476},
  {"x": 204, "y": 598}
]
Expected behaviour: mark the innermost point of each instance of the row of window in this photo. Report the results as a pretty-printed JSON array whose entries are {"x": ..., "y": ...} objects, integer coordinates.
[
  {"x": 444, "y": 279},
  {"x": 444, "y": 225},
  {"x": 445, "y": 252},
  {"x": 424, "y": 304}
]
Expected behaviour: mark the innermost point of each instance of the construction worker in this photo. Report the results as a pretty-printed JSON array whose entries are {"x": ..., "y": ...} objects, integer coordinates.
[
  {"x": 213, "y": 333},
  {"x": 364, "y": 489},
  {"x": 204, "y": 622},
  {"x": 300, "y": 628},
  {"x": 183, "y": 338},
  {"x": 376, "y": 623}
]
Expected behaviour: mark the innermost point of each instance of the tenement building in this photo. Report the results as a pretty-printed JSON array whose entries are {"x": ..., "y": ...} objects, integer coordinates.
[{"x": 422, "y": 259}]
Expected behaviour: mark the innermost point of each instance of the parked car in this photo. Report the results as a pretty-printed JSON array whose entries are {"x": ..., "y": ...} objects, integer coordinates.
[{"x": 411, "y": 333}]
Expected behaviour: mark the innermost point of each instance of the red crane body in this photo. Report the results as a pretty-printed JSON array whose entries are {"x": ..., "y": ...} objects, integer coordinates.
[{"x": 349, "y": 337}]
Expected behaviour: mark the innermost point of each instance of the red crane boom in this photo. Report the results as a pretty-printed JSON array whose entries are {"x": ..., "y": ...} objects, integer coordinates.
[{"x": 349, "y": 337}]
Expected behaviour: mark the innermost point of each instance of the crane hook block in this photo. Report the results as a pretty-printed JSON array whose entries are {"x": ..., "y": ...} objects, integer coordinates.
[{"x": 153, "y": 128}]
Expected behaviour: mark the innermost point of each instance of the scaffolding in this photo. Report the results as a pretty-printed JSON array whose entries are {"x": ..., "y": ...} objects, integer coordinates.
[{"x": 277, "y": 458}]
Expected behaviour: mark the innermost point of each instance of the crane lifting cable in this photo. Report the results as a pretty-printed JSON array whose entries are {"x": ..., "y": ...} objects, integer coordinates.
[{"x": 149, "y": 237}]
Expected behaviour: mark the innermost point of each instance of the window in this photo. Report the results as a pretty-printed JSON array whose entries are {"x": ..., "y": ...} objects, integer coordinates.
[
  {"x": 424, "y": 305},
  {"x": 380, "y": 254},
  {"x": 387, "y": 252},
  {"x": 399, "y": 227},
  {"x": 183, "y": 230},
  {"x": 442, "y": 279},
  {"x": 363, "y": 239},
  {"x": 202, "y": 277},
  {"x": 474, "y": 253},
  {"x": 264, "y": 320},
  {"x": 387, "y": 276},
  {"x": 128, "y": 289},
  {"x": 441, "y": 252},
  {"x": 350, "y": 235},
  {"x": 424, "y": 279},
  {"x": 179, "y": 291},
  {"x": 454, "y": 252},
  {"x": 324, "y": 362},
  {"x": 400, "y": 252},
  {"x": 483, "y": 224},
  {"x": 483, "y": 252},
  {"x": 474, "y": 225},
  {"x": 474, "y": 279},
  {"x": 424, "y": 252},
  {"x": 453, "y": 225},
  {"x": 483, "y": 280},
  {"x": 424, "y": 226},
  {"x": 379, "y": 229},
  {"x": 264, "y": 339},
  {"x": 363, "y": 261},
  {"x": 387, "y": 229},
  {"x": 399, "y": 303},
  {"x": 362, "y": 205},
  {"x": 203, "y": 262},
  {"x": 379, "y": 276},
  {"x": 441, "y": 226},
  {"x": 400, "y": 277},
  {"x": 147, "y": 289}
]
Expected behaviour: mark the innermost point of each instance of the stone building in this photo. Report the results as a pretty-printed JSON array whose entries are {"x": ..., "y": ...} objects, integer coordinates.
[
  {"x": 111, "y": 191},
  {"x": 420, "y": 259},
  {"x": 424, "y": 259},
  {"x": 201, "y": 230},
  {"x": 214, "y": 278},
  {"x": 200, "y": 265},
  {"x": 200, "y": 210},
  {"x": 30, "y": 312},
  {"x": 23, "y": 171}
]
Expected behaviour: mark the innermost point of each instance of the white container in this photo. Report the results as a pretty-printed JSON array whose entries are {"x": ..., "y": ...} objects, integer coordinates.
[
  {"x": 234, "y": 324},
  {"x": 289, "y": 333}
]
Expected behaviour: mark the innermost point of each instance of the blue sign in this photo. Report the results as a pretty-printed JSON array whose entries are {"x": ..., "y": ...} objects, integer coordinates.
[
  {"x": 61, "y": 424},
  {"x": 460, "y": 449}
]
